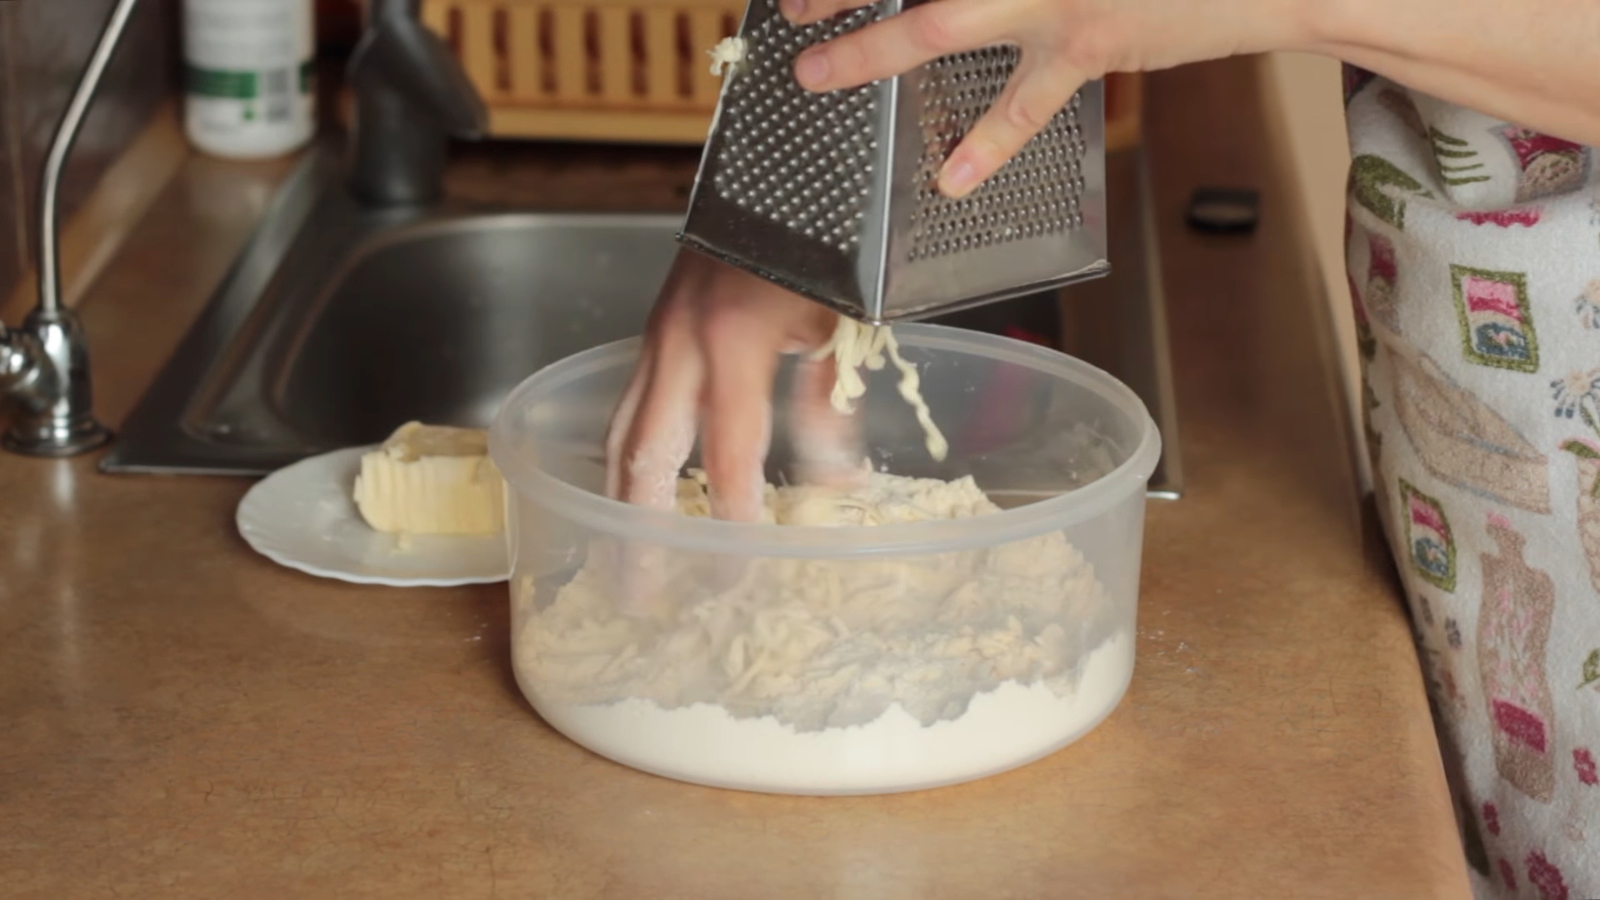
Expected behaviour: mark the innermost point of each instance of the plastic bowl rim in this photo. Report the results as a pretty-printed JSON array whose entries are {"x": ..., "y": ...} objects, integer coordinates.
[{"x": 670, "y": 529}]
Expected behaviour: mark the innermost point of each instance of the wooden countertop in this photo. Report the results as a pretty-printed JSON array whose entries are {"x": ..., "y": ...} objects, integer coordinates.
[{"x": 182, "y": 718}]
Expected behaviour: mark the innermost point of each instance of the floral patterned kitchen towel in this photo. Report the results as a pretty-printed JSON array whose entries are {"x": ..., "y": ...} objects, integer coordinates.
[{"x": 1474, "y": 263}]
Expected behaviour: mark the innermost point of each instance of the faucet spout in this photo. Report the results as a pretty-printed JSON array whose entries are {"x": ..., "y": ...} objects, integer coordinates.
[
  {"x": 44, "y": 365},
  {"x": 412, "y": 97}
]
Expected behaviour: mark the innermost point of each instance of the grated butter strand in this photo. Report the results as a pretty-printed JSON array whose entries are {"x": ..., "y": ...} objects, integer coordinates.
[
  {"x": 855, "y": 345},
  {"x": 726, "y": 54}
]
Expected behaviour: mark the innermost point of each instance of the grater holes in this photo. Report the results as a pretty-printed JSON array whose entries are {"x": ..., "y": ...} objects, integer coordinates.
[
  {"x": 1035, "y": 194},
  {"x": 772, "y": 161}
]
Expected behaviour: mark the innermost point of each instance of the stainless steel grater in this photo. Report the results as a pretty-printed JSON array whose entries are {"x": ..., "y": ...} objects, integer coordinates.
[{"x": 834, "y": 196}]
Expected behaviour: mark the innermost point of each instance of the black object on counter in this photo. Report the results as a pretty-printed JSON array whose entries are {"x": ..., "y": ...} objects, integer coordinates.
[{"x": 1224, "y": 210}]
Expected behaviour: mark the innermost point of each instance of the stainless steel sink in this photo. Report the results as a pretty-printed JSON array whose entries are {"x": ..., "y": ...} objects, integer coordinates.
[{"x": 339, "y": 323}]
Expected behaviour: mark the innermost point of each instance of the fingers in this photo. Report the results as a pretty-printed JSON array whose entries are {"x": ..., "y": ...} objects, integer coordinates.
[
  {"x": 710, "y": 359},
  {"x": 827, "y": 442},
  {"x": 622, "y": 421},
  {"x": 900, "y": 43},
  {"x": 1038, "y": 89},
  {"x": 661, "y": 435},
  {"x": 620, "y": 428},
  {"x": 736, "y": 429},
  {"x": 747, "y": 325}
]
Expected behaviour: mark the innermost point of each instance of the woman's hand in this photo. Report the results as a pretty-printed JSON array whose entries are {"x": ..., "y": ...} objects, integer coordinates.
[
  {"x": 709, "y": 362},
  {"x": 1064, "y": 43}
]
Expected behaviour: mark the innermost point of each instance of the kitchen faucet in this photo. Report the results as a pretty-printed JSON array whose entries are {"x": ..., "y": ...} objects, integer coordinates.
[
  {"x": 411, "y": 98},
  {"x": 44, "y": 365}
]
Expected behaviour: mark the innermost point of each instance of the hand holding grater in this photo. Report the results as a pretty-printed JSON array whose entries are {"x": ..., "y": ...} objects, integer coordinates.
[{"x": 835, "y": 196}]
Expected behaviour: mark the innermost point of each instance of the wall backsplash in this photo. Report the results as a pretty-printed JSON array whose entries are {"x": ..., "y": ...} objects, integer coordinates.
[{"x": 44, "y": 45}]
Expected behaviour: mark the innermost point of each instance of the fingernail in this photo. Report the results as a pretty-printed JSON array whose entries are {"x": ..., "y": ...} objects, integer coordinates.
[
  {"x": 958, "y": 178},
  {"x": 793, "y": 10},
  {"x": 812, "y": 70}
]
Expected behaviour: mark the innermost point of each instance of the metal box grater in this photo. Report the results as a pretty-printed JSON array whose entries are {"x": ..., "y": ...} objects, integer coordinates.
[{"x": 834, "y": 196}]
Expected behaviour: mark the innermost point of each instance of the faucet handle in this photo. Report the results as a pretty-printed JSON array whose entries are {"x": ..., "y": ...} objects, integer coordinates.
[
  {"x": 18, "y": 368},
  {"x": 44, "y": 368}
]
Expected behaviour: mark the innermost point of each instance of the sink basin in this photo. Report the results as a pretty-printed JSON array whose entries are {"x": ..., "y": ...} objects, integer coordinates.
[
  {"x": 438, "y": 321},
  {"x": 340, "y": 323}
]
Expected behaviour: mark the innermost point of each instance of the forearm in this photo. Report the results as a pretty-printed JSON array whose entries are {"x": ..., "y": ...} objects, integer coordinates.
[{"x": 1527, "y": 61}]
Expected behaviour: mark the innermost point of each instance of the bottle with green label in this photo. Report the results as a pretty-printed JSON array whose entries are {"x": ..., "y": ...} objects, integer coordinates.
[{"x": 248, "y": 76}]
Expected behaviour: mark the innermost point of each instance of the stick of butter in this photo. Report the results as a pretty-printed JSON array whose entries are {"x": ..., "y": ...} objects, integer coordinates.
[{"x": 432, "y": 479}]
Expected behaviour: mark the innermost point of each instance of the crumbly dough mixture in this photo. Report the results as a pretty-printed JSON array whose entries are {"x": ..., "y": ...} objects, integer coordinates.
[
  {"x": 822, "y": 643},
  {"x": 855, "y": 345}
]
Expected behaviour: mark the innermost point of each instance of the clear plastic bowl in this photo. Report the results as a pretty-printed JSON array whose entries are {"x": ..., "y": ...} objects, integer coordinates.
[{"x": 838, "y": 660}]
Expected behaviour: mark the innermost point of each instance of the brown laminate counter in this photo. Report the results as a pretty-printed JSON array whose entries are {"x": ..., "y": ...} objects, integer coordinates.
[{"x": 181, "y": 718}]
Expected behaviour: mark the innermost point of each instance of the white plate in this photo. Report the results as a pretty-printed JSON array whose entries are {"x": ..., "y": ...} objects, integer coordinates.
[{"x": 302, "y": 516}]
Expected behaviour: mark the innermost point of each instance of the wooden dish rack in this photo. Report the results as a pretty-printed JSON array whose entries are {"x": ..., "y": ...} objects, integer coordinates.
[{"x": 634, "y": 71}]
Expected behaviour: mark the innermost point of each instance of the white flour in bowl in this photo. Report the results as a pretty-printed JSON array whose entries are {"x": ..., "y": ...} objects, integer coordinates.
[
  {"x": 831, "y": 675},
  {"x": 1007, "y": 727}
]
